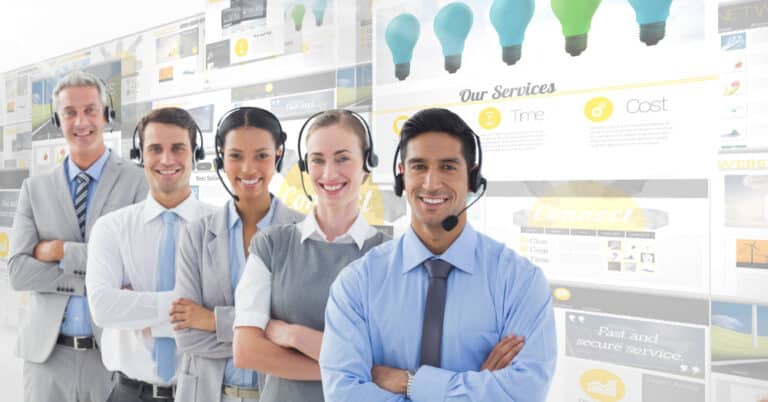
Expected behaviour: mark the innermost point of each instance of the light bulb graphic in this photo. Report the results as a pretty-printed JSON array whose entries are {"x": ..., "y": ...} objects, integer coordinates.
[
  {"x": 297, "y": 15},
  {"x": 318, "y": 9},
  {"x": 452, "y": 24},
  {"x": 576, "y": 18},
  {"x": 652, "y": 17},
  {"x": 510, "y": 18},
  {"x": 401, "y": 36}
]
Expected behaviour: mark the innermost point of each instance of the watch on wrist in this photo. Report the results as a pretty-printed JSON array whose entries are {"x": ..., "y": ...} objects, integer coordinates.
[{"x": 409, "y": 388}]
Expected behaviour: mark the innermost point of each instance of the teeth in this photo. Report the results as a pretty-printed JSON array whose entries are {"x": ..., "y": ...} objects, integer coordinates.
[
  {"x": 333, "y": 188},
  {"x": 167, "y": 172},
  {"x": 249, "y": 182},
  {"x": 433, "y": 200}
]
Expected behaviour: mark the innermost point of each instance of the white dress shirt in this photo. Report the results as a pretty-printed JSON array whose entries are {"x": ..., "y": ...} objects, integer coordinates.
[
  {"x": 121, "y": 281},
  {"x": 254, "y": 292}
]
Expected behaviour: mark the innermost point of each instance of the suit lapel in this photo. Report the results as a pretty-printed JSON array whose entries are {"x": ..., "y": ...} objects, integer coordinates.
[
  {"x": 63, "y": 193},
  {"x": 217, "y": 240},
  {"x": 106, "y": 183}
]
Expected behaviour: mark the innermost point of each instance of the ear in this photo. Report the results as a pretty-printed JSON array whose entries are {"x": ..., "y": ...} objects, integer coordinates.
[{"x": 400, "y": 168}]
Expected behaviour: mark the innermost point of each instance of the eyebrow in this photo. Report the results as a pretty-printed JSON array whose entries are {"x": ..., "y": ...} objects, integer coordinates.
[
  {"x": 423, "y": 160},
  {"x": 262, "y": 149},
  {"x": 73, "y": 107},
  {"x": 341, "y": 151}
]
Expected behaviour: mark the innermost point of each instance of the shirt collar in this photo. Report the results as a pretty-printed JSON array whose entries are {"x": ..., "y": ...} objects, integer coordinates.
[
  {"x": 94, "y": 170},
  {"x": 461, "y": 253},
  {"x": 187, "y": 210},
  {"x": 358, "y": 231},
  {"x": 233, "y": 217}
]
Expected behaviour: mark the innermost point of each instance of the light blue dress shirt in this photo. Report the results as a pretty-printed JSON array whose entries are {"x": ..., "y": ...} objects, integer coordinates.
[
  {"x": 77, "y": 318},
  {"x": 234, "y": 376},
  {"x": 375, "y": 312}
]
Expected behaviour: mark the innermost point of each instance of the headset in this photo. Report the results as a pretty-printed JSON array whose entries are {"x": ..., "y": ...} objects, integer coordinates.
[
  {"x": 218, "y": 163},
  {"x": 370, "y": 159},
  {"x": 197, "y": 155},
  {"x": 109, "y": 110},
  {"x": 476, "y": 180}
]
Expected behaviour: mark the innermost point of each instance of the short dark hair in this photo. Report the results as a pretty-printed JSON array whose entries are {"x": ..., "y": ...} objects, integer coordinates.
[
  {"x": 442, "y": 121},
  {"x": 250, "y": 117},
  {"x": 170, "y": 115}
]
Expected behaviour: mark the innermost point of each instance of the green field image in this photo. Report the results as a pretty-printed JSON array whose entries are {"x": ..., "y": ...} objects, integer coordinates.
[
  {"x": 350, "y": 96},
  {"x": 40, "y": 114},
  {"x": 732, "y": 345}
]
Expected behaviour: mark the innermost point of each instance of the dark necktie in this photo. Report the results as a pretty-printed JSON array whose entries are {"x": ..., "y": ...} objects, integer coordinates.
[
  {"x": 81, "y": 200},
  {"x": 434, "y": 309}
]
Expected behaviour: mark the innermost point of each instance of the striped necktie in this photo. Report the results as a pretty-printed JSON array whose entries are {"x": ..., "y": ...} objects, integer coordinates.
[{"x": 81, "y": 200}]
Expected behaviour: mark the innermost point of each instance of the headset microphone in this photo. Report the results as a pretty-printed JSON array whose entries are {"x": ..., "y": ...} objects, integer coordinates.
[
  {"x": 234, "y": 196},
  {"x": 450, "y": 222}
]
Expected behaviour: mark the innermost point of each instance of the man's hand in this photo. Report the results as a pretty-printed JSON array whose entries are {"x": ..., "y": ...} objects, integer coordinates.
[
  {"x": 187, "y": 314},
  {"x": 280, "y": 333},
  {"x": 49, "y": 251},
  {"x": 390, "y": 379},
  {"x": 503, "y": 353}
]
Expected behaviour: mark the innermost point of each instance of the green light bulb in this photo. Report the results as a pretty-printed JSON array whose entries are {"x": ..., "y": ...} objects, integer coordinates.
[
  {"x": 576, "y": 18},
  {"x": 297, "y": 15}
]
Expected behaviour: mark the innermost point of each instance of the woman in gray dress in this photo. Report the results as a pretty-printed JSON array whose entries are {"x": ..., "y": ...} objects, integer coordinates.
[
  {"x": 212, "y": 255},
  {"x": 280, "y": 302}
]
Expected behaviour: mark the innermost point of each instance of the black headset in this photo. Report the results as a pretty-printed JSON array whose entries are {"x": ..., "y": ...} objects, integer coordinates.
[
  {"x": 109, "y": 110},
  {"x": 476, "y": 179},
  {"x": 218, "y": 163},
  {"x": 370, "y": 159},
  {"x": 197, "y": 155}
]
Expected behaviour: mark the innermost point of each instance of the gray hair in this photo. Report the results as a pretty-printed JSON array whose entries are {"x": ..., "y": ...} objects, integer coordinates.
[{"x": 79, "y": 79}]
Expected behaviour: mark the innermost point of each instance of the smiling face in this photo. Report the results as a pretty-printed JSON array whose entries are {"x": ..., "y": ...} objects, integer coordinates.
[
  {"x": 335, "y": 162},
  {"x": 167, "y": 156},
  {"x": 436, "y": 182},
  {"x": 81, "y": 114},
  {"x": 249, "y": 161}
]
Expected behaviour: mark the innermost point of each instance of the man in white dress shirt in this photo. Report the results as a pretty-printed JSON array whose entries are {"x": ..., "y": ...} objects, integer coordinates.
[{"x": 131, "y": 261}]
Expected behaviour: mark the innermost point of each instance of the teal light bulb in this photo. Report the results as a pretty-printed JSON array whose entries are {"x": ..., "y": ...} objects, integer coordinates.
[
  {"x": 401, "y": 37},
  {"x": 297, "y": 15},
  {"x": 452, "y": 24},
  {"x": 576, "y": 18},
  {"x": 652, "y": 16},
  {"x": 510, "y": 18},
  {"x": 318, "y": 9}
]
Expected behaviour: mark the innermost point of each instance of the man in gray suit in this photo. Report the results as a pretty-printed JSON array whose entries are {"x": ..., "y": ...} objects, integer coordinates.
[{"x": 57, "y": 338}]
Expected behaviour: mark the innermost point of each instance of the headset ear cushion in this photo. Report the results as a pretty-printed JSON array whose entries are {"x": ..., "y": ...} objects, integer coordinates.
[
  {"x": 199, "y": 154},
  {"x": 55, "y": 120},
  {"x": 399, "y": 185},
  {"x": 135, "y": 153},
  {"x": 372, "y": 158},
  {"x": 218, "y": 163}
]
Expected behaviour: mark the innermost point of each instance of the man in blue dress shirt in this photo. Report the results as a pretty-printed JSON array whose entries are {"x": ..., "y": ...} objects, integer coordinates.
[{"x": 438, "y": 314}]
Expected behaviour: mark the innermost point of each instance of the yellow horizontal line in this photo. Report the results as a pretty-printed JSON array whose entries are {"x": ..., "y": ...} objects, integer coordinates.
[{"x": 558, "y": 93}]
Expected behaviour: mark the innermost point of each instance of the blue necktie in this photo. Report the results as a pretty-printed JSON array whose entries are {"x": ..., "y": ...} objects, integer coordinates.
[
  {"x": 164, "y": 351},
  {"x": 81, "y": 200}
]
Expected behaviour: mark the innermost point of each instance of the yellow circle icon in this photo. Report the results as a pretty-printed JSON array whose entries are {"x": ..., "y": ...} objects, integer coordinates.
[
  {"x": 241, "y": 47},
  {"x": 562, "y": 294},
  {"x": 598, "y": 109},
  {"x": 397, "y": 125},
  {"x": 268, "y": 88},
  {"x": 489, "y": 118},
  {"x": 603, "y": 386}
]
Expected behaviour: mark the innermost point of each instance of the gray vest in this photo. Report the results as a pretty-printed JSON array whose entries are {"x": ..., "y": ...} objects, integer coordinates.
[{"x": 302, "y": 274}]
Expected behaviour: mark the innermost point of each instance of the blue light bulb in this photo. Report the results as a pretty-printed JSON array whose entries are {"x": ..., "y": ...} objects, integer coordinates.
[
  {"x": 510, "y": 18},
  {"x": 318, "y": 9},
  {"x": 401, "y": 36},
  {"x": 652, "y": 16},
  {"x": 452, "y": 24}
]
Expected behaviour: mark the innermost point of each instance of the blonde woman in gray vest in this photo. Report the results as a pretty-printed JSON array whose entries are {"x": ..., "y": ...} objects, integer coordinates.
[
  {"x": 212, "y": 254},
  {"x": 280, "y": 302}
]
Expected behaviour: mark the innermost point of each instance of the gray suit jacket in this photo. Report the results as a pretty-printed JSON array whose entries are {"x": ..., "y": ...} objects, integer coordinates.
[
  {"x": 45, "y": 211},
  {"x": 202, "y": 275}
]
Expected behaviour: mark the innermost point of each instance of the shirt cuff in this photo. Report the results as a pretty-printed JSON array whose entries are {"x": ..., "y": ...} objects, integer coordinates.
[
  {"x": 163, "y": 327},
  {"x": 431, "y": 384},
  {"x": 251, "y": 319}
]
